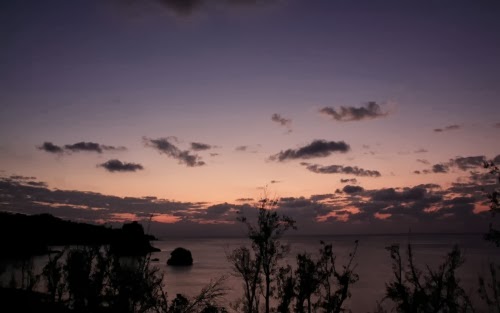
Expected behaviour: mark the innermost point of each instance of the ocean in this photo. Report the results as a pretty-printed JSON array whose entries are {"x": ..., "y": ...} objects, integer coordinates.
[{"x": 373, "y": 263}]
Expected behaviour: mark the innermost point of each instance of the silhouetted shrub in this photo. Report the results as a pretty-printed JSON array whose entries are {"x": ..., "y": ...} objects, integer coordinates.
[{"x": 416, "y": 291}]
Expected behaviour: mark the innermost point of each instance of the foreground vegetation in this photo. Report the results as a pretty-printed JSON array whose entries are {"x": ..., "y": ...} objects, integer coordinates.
[{"x": 98, "y": 278}]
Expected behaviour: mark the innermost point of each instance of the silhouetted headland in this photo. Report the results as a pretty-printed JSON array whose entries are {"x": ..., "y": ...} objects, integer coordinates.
[{"x": 27, "y": 235}]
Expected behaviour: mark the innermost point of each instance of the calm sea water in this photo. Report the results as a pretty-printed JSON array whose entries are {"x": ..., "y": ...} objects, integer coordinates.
[{"x": 373, "y": 261}]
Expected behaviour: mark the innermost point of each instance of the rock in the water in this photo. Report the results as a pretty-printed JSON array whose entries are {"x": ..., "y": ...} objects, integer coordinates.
[{"x": 180, "y": 257}]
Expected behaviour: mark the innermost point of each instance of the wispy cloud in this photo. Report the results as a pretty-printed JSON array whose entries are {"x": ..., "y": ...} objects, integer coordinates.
[
  {"x": 423, "y": 161},
  {"x": 164, "y": 146},
  {"x": 115, "y": 165},
  {"x": 316, "y": 149},
  {"x": 421, "y": 150},
  {"x": 340, "y": 169},
  {"x": 447, "y": 128},
  {"x": 371, "y": 110},
  {"x": 285, "y": 122}
]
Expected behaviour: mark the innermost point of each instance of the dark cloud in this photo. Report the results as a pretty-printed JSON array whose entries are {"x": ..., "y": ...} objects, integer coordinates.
[
  {"x": 164, "y": 146},
  {"x": 20, "y": 177},
  {"x": 423, "y": 161},
  {"x": 198, "y": 146},
  {"x": 425, "y": 207},
  {"x": 352, "y": 189},
  {"x": 467, "y": 163},
  {"x": 275, "y": 181},
  {"x": 281, "y": 120},
  {"x": 440, "y": 168},
  {"x": 322, "y": 197},
  {"x": 449, "y": 127},
  {"x": 119, "y": 166},
  {"x": 37, "y": 184},
  {"x": 349, "y": 180},
  {"x": 91, "y": 147},
  {"x": 416, "y": 172},
  {"x": 391, "y": 194},
  {"x": 346, "y": 114},
  {"x": 462, "y": 163},
  {"x": 51, "y": 148},
  {"x": 496, "y": 125},
  {"x": 241, "y": 148},
  {"x": 79, "y": 146},
  {"x": 340, "y": 169},
  {"x": 316, "y": 149}
]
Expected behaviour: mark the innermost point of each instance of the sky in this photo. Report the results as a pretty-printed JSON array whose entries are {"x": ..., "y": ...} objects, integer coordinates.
[{"x": 361, "y": 116}]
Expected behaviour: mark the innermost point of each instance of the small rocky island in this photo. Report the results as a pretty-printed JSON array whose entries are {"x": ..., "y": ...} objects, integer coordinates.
[{"x": 180, "y": 257}]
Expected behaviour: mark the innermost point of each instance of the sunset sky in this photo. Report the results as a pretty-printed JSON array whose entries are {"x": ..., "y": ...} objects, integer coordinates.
[{"x": 363, "y": 116}]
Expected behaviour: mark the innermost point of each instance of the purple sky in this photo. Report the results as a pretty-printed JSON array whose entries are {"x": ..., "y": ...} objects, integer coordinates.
[{"x": 203, "y": 103}]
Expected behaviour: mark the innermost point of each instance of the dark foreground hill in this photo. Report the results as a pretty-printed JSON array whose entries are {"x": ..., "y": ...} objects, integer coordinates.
[{"x": 22, "y": 235}]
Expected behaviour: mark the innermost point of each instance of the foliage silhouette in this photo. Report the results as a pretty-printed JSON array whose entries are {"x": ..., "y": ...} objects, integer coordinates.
[
  {"x": 416, "y": 291},
  {"x": 489, "y": 288},
  {"x": 314, "y": 285},
  {"x": 267, "y": 251}
]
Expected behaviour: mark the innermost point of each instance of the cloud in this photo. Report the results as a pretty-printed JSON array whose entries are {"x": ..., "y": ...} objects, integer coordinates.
[
  {"x": 349, "y": 180},
  {"x": 421, "y": 150},
  {"x": 322, "y": 197},
  {"x": 91, "y": 147},
  {"x": 467, "y": 163},
  {"x": 79, "y": 146},
  {"x": 164, "y": 146},
  {"x": 316, "y": 149},
  {"x": 447, "y": 128},
  {"x": 371, "y": 110},
  {"x": 416, "y": 172},
  {"x": 282, "y": 121},
  {"x": 198, "y": 146},
  {"x": 248, "y": 148},
  {"x": 496, "y": 125},
  {"x": 423, "y": 161},
  {"x": 352, "y": 189},
  {"x": 340, "y": 169},
  {"x": 425, "y": 208},
  {"x": 51, "y": 148},
  {"x": 440, "y": 168},
  {"x": 462, "y": 163},
  {"x": 115, "y": 165}
]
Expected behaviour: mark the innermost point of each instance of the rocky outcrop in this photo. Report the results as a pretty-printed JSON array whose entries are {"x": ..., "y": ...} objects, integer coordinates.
[{"x": 180, "y": 257}]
